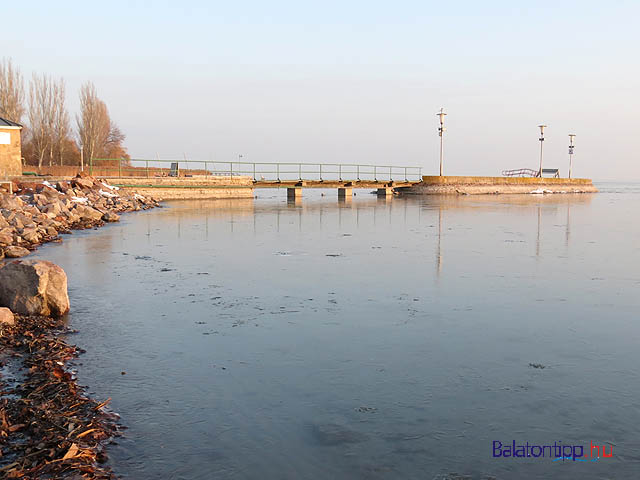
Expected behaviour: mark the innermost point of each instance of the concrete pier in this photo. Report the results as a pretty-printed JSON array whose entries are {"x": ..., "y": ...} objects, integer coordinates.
[
  {"x": 386, "y": 191},
  {"x": 436, "y": 185},
  {"x": 294, "y": 192},
  {"x": 344, "y": 192}
]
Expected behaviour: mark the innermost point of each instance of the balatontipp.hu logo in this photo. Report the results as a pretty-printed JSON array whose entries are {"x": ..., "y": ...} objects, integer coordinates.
[{"x": 555, "y": 452}]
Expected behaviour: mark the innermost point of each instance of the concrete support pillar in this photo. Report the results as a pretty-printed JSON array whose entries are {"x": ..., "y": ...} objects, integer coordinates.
[
  {"x": 294, "y": 193},
  {"x": 386, "y": 191},
  {"x": 344, "y": 192}
]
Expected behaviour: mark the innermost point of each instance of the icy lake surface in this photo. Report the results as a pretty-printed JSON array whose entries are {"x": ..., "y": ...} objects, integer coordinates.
[{"x": 373, "y": 339}]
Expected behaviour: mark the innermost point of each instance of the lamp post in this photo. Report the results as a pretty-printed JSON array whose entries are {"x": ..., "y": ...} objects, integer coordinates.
[
  {"x": 541, "y": 127},
  {"x": 441, "y": 130},
  {"x": 571, "y": 136}
]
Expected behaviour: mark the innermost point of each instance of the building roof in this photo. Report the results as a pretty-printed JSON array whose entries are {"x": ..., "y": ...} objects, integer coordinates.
[{"x": 8, "y": 123}]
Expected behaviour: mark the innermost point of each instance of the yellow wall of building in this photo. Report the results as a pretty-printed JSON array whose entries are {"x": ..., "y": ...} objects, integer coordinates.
[{"x": 10, "y": 155}]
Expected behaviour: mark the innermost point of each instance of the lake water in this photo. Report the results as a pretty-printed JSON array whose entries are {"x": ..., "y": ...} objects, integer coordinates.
[{"x": 373, "y": 339}]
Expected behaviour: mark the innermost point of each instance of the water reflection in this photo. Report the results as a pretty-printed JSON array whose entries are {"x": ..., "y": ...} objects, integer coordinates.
[{"x": 325, "y": 339}]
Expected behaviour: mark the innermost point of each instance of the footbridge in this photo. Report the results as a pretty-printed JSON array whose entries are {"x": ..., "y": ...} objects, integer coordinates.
[{"x": 227, "y": 179}]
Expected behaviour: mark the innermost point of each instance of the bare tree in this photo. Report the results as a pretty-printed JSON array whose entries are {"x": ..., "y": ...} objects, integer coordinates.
[
  {"x": 41, "y": 115},
  {"x": 93, "y": 122},
  {"x": 61, "y": 127},
  {"x": 11, "y": 92}
]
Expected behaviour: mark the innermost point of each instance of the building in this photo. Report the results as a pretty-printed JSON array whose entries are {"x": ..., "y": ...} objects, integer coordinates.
[{"x": 10, "y": 149}]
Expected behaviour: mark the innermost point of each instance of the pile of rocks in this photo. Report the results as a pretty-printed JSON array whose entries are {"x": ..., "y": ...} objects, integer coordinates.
[{"x": 38, "y": 212}]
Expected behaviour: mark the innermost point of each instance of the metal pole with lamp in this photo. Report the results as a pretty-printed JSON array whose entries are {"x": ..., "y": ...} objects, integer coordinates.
[
  {"x": 441, "y": 131},
  {"x": 541, "y": 127},
  {"x": 571, "y": 136}
]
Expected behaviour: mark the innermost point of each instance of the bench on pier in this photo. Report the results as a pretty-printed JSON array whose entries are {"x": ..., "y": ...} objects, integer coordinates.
[{"x": 552, "y": 172}]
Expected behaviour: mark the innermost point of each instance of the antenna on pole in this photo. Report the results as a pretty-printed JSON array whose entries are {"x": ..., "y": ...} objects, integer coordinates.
[
  {"x": 541, "y": 127},
  {"x": 571, "y": 137},
  {"x": 441, "y": 130}
]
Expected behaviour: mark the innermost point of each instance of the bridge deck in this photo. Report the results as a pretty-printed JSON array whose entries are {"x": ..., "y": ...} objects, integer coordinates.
[{"x": 330, "y": 184}]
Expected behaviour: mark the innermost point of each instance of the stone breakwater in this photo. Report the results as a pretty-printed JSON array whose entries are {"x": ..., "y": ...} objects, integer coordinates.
[
  {"x": 38, "y": 212},
  {"x": 459, "y": 185},
  {"x": 49, "y": 428}
]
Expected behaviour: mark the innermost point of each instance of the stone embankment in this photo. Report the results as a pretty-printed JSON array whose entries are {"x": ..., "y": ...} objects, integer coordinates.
[
  {"x": 48, "y": 427},
  {"x": 39, "y": 212}
]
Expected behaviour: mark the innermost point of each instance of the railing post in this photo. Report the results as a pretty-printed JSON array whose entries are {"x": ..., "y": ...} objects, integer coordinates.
[
  {"x": 278, "y": 171},
  {"x": 375, "y": 173},
  {"x": 231, "y": 169},
  {"x": 320, "y": 171},
  {"x": 120, "y": 167},
  {"x": 358, "y": 172},
  {"x": 405, "y": 175},
  {"x": 206, "y": 170},
  {"x": 390, "y": 177},
  {"x": 91, "y": 166},
  {"x": 254, "y": 172},
  {"x": 300, "y": 171},
  {"x": 147, "y": 163},
  {"x": 340, "y": 172}
]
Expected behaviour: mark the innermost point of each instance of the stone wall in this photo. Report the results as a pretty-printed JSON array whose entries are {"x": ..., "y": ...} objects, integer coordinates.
[
  {"x": 11, "y": 155},
  {"x": 436, "y": 185}
]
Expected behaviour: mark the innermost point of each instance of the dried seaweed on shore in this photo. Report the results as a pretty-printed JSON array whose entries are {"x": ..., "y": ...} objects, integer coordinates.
[{"x": 48, "y": 428}]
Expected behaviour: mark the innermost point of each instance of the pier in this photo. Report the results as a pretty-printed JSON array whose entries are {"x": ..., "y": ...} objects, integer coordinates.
[{"x": 170, "y": 179}]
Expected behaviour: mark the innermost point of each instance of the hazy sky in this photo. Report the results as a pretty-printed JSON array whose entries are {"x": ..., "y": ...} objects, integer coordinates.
[{"x": 352, "y": 81}]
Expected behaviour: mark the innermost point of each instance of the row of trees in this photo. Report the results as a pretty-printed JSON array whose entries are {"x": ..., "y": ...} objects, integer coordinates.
[{"x": 48, "y": 137}]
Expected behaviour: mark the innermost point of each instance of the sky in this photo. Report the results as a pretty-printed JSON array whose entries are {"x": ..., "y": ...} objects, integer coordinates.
[{"x": 352, "y": 81}]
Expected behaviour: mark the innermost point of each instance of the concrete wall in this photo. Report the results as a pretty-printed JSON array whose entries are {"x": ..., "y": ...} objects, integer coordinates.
[
  {"x": 459, "y": 180},
  {"x": 11, "y": 155},
  {"x": 107, "y": 171},
  {"x": 203, "y": 193},
  {"x": 449, "y": 185},
  {"x": 204, "y": 187}
]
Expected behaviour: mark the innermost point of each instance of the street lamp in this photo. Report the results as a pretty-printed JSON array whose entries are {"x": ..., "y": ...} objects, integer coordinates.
[
  {"x": 441, "y": 130},
  {"x": 571, "y": 136},
  {"x": 541, "y": 127}
]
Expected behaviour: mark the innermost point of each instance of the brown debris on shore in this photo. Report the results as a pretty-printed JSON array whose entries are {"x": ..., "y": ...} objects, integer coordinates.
[
  {"x": 48, "y": 428},
  {"x": 39, "y": 211}
]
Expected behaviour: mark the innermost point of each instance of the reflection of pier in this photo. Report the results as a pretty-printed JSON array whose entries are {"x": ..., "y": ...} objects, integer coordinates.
[{"x": 537, "y": 208}]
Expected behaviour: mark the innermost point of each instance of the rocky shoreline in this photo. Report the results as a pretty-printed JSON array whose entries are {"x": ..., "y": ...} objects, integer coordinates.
[
  {"x": 48, "y": 427},
  {"x": 38, "y": 212}
]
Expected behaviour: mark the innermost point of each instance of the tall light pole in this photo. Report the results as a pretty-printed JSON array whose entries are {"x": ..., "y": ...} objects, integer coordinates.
[
  {"x": 441, "y": 130},
  {"x": 571, "y": 136},
  {"x": 541, "y": 127}
]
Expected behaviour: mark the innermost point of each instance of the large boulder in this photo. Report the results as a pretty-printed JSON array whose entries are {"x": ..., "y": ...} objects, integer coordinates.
[
  {"x": 15, "y": 251},
  {"x": 6, "y": 316},
  {"x": 88, "y": 213},
  {"x": 34, "y": 287},
  {"x": 6, "y": 238},
  {"x": 110, "y": 217}
]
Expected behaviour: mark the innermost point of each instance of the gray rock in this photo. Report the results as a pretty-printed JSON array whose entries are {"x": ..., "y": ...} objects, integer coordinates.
[
  {"x": 88, "y": 213},
  {"x": 15, "y": 252},
  {"x": 34, "y": 287},
  {"x": 111, "y": 217},
  {"x": 6, "y": 316},
  {"x": 5, "y": 239}
]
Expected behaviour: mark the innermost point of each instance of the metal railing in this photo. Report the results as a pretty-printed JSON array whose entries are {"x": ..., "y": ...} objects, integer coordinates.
[
  {"x": 521, "y": 172},
  {"x": 259, "y": 171}
]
